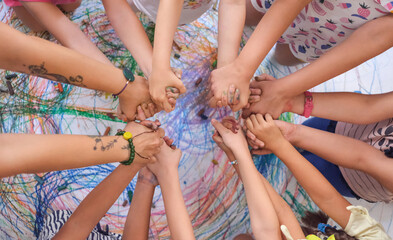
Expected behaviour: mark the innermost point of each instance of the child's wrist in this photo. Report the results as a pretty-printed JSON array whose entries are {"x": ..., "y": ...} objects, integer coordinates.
[
  {"x": 230, "y": 155},
  {"x": 147, "y": 71},
  {"x": 241, "y": 69},
  {"x": 167, "y": 176},
  {"x": 239, "y": 151},
  {"x": 145, "y": 183},
  {"x": 296, "y": 104},
  {"x": 296, "y": 137},
  {"x": 161, "y": 64},
  {"x": 278, "y": 145}
]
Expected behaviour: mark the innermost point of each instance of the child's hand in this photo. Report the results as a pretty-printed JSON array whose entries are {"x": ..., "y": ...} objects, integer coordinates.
[
  {"x": 256, "y": 93},
  {"x": 145, "y": 176},
  {"x": 133, "y": 95},
  {"x": 224, "y": 82},
  {"x": 147, "y": 142},
  {"x": 146, "y": 110},
  {"x": 232, "y": 141},
  {"x": 287, "y": 129},
  {"x": 167, "y": 160},
  {"x": 152, "y": 125},
  {"x": 270, "y": 100},
  {"x": 162, "y": 85},
  {"x": 220, "y": 143},
  {"x": 252, "y": 140},
  {"x": 265, "y": 130}
]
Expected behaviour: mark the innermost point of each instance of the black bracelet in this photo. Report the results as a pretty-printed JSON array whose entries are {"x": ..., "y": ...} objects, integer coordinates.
[{"x": 130, "y": 78}]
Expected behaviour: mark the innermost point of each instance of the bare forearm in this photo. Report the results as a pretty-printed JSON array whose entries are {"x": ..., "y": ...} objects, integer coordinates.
[
  {"x": 283, "y": 211},
  {"x": 327, "y": 198},
  {"x": 131, "y": 32},
  {"x": 231, "y": 18},
  {"x": 346, "y": 152},
  {"x": 372, "y": 38},
  {"x": 349, "y": 107},
  {"x": 167, "y": 20},
  {"x": 38, "y": 57},
  {"x": 264, "y": 219},
  {"x": 138, "y": 219},
  {"x": 28, "y": 153},
  {"x": 63, "y": 29},
  {"x": 268, "y": 31},
  {"x": 175, "y": 208},
  {"x": 340, "y": 150},
  {"x": 96, "y": 204}
]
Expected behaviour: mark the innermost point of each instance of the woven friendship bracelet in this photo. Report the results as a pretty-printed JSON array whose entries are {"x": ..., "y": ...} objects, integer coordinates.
[
  {"x": 130, "y": 78},
  {"x": 128, "y": 136}
]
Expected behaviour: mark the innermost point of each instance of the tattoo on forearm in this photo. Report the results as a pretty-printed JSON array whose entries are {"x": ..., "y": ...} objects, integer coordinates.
[
  {"x": 99, "y": 144},
  {"x": 153, "y": 180},
  {"x": 126, "y": 147},
  {"x": 41, "y": 71}
]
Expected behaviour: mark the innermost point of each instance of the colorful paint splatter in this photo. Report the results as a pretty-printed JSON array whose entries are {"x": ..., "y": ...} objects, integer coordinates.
[{"x": 212, "y": 192}]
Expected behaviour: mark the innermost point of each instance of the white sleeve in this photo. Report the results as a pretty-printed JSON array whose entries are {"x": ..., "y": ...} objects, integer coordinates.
[{"x": 362, "y": 226}]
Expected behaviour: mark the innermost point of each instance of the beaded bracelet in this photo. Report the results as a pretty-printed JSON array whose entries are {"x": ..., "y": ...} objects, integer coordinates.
[
  {"x": 234, "y": 162},
  {"x": 128, "y": 136},
  {"x": 130, "y": 78}
]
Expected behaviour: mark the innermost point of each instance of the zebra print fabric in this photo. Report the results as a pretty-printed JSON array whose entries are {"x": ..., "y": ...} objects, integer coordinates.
[{"x": 57, "y": 219}]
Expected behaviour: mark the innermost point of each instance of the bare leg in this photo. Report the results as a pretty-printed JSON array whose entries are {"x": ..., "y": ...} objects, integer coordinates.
[
  {"x": 28, "y": 19},
  {"x": 65, "y": 31},
  {"x": 252, "y": 15},
  {"x": 71, "y": 6},
  {"x": 284, "y": 56}
]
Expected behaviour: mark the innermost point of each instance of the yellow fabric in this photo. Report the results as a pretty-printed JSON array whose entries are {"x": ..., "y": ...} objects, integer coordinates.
[
  {"x": 364, "y": 227},
  {"x": 313, "y": 237},
  {"x": 360, "y": 225},
  {"x": 288, "y": 236}
]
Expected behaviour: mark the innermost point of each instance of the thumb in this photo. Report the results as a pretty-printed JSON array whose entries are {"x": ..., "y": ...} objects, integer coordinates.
[
  {"x": 181, "y": 87},
  {"x": 160, "y": 133},
  {"x": 243, "y": 101},
  {"x": 178, "y": 72},
  {"x": 129, "y": 115},
  {"x": 167, "y": 106},
  {"x": 140, "y": 114},
  {"x": 264, "y": 77},
  {"x": 217, "y": 138},
  {"x": 219, "y": 127},
  {"x": 177, "y": 83}
]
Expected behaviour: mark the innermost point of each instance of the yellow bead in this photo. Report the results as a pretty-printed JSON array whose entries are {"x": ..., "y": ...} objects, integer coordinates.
[{"x": 127, "y": 135}]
